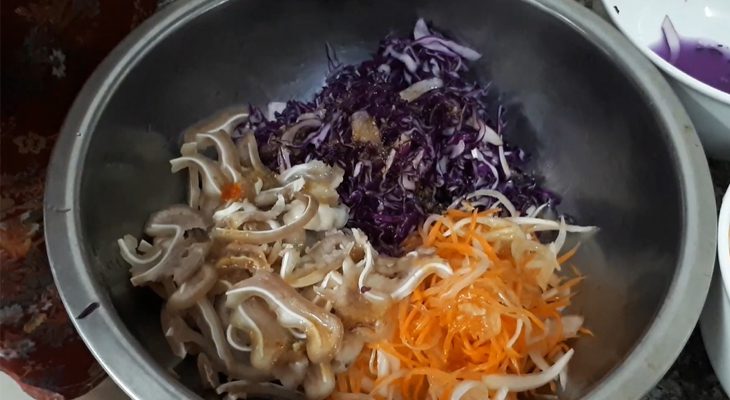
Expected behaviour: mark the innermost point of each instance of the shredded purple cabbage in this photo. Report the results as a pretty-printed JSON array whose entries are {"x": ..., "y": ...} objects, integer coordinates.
[{"x": 431, "y": 151}]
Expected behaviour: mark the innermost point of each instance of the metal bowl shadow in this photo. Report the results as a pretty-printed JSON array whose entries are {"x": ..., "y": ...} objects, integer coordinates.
[{"x": 603, "y": 127}]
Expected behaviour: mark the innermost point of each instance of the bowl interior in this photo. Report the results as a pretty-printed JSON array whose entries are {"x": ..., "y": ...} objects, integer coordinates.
[
  {"x": 642, "y": 21},
  {"x": 592, "y": 134}
]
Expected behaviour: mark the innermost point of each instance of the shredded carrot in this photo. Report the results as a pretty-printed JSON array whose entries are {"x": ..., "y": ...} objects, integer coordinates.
[
  {"x": 568, "y": 255},
  {"x": 232, "y": 192},
  {"x": 585, "y": 331},
  {"x": 448, "y": 332}
]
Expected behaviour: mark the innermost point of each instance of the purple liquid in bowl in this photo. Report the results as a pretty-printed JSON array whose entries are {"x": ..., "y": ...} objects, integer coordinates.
[{"x": 705, "y": 61}]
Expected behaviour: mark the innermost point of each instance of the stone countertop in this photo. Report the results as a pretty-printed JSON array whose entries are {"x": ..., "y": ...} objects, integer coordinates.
[{"x": 691, "y": 377}]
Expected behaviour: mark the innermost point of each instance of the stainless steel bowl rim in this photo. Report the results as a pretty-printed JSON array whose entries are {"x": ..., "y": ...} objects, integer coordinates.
[{"x": 134, "y": 370}]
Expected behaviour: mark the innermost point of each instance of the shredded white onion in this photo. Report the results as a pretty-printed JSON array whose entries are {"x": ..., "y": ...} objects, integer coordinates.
[
  {"x": 503, "y": 162},
  {"x": 536, "y": 211},
  {"x": 419, "y": 88},
  {"x": 501, "y": 199},
  {"x": 501, "y": 394},
  {"x": 557, "y": 245},
  {"x": 274, "y": 108},
  {"x": 673, "y": 42},
  {"x": 421, "y": 29},
  {"x": 489, "y": 135},
  {"x": 540, "y": 224},
  {"x": 539, "y": 360},
  {"x": 518, "y": 330},
  {"x": 571, "y": 324},
  {"x": 530, "y": 381},
  {"x": 463, "y": 388}
]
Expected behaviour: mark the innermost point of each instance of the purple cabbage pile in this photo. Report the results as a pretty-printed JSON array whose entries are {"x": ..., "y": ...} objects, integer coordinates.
[{"x": 412, "y": 134}]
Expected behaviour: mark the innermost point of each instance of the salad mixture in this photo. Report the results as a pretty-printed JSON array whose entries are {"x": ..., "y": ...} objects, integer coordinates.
[{"x": 378, "y": 242}]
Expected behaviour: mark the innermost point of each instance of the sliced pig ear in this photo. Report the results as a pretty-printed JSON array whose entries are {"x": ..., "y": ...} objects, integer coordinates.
[
  {"x": 272, "y": 235},
  {"x": 269, "y": 340},
  {"x": 352, "y": 345},
  {"x": 212, "y": 177},
  {"x": 178, "y": 334},
  {"x": 142, "y": 260},
  {"x": 291, "y": 370},
  {"x": 322, "y": 179},
  {"x": 248, "y": 151},
  {"x": 238, "y": 214},
  {"x": 319, "y": 381},
  {"x": 180, "y": 233},
  {"x": 181, "y": 259},
  {"x": 207, "y": 373},
  {"x": 211, "y": 326},
  {"x": 189, "y": 149},
  {"x": 325, "y": 256},
  {"x": 228, "y": 158},
  {"x": 326, "y": 219},
  {"x": 408, "y": 272},
  {"x": 323, "y": 330},
  {"x": 190, "y": 262},
  {"x": 179, "y": 215},
  {"x": 193, "y": 289},
  {"x": 289, "y": 190},
  {"x": 226, "y": 120},
  {"x": 216, "y": 132}
]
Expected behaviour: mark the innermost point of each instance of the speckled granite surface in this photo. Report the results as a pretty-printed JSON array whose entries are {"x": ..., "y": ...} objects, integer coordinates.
[{"x": 691, "y": 377}]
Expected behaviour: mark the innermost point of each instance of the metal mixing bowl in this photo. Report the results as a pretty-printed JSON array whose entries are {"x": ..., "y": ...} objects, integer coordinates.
[{"x": 603, "y": 127}]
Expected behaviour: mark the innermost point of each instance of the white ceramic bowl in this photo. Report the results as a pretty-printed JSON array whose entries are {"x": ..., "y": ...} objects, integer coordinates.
[
  {"x": 641, "y": 22},
  {"x": 715, "y": 321}
]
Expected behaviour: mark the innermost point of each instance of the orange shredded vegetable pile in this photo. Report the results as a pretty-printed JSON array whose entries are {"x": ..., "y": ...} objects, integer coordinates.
[{"x": 499, "y": 315}]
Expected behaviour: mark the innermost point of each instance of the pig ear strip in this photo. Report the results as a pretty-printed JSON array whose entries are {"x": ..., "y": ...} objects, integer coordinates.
[{"x": 253, "y": 282}]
